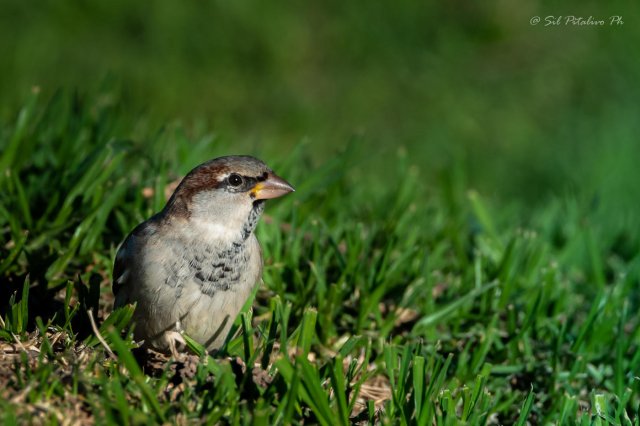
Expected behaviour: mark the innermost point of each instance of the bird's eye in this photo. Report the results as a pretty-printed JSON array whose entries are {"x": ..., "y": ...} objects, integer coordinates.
[{"x": 235, "y": 180}]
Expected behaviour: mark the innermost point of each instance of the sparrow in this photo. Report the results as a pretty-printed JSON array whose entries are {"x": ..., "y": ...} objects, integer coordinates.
[{"x": 191, "y": 267}]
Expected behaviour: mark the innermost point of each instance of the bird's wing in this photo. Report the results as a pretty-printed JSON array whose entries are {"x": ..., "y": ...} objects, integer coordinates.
[
  {"x": 120, "y": 271},
  {"x": 125, "y": 261}
]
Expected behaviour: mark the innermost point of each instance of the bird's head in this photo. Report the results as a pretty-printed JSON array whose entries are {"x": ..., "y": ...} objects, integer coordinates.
[{"x": 227, "y": 194}]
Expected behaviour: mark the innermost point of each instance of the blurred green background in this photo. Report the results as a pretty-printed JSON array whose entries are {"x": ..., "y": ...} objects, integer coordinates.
[{"x": 523, "y": 113}]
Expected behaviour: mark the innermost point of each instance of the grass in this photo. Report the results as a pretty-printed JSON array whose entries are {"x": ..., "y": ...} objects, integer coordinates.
[{"x": 391, "y": 301}]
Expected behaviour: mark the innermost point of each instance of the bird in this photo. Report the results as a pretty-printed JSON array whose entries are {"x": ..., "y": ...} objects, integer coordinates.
[{"x": 191, "y": 267}]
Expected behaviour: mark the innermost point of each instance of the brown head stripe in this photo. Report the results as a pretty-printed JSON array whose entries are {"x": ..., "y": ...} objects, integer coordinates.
[{"x": 203, "y": 177}]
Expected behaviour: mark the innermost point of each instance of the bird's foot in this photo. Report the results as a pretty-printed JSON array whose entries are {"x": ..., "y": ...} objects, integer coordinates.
[{"x": 176, "y": 342}]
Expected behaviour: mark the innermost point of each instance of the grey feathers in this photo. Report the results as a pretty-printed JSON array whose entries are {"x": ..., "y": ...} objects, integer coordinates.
[{"x": 212, "y": 268}]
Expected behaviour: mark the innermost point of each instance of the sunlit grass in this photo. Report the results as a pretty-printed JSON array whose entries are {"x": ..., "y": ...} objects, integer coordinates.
[{"x": 405, "y": 302}]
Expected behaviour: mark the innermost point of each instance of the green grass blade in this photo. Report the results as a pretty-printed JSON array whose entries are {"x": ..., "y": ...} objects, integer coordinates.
[
  {"x": 128, "y": 361},
  {"x": 340, "y": 390},
  {"x": 526, "y": 409},
  {"x": 441, "y": 314},
  {"x": 8, "y": 156}
]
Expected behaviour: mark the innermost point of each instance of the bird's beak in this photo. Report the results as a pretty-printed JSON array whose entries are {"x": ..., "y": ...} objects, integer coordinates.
[{"x": 273, "y": 187}]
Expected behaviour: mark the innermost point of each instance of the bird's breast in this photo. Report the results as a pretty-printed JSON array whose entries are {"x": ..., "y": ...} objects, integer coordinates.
[{"x": 211, "y": 267}]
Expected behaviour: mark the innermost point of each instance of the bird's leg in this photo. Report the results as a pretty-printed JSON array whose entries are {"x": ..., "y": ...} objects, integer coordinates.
[{"x": 176, "y": 341}]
